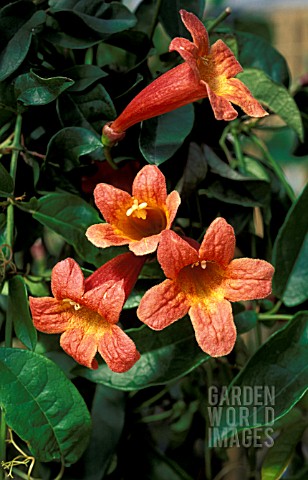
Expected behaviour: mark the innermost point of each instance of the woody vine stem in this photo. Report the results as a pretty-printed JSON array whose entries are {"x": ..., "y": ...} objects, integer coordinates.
[{"x": 10, "y": 242}]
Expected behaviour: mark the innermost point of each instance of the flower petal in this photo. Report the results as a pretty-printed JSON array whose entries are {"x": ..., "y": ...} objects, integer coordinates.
[
  {"x": 67, "y": 280},
  {"x": 118, "y": 350},
  {"x": 188, "y": 52},
  {"x": 224, "y": 60},
  {"x": 197, "y": 31},
  {"x": 81, "y": 346},
  {"x": 150, "y": 186},
  {"x": 112, "y": 202},
  {"x": 104, "y": 235},
  {"x": 218, "y": 243},
  {"x": 145, "y": 246},
  {"x": 172, "y": 203},
  {"x": 174, "y": 253},
  {"x": 214, "y": 327},
  {"x": 222, "y": 108},
  {"x": 107, "y": 299},
  {"x": 248, "y": 279},
  {"x": 49, "y": 315},
  {"x": 124, "y": 267},
  {"x": 162, "y": 305},
  {"x": 236, "y": 92}
]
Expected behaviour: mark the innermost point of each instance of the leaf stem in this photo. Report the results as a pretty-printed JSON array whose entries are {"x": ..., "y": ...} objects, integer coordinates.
[
  {"x": 266, "y": 316},
  {"x": 238, "y": 152},
  {"x": 275, "y": 166},
  {"x": 227, "y": 11}
]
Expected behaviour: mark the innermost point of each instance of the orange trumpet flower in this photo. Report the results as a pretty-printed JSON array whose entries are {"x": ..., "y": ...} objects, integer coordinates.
[
  {"x": 86, "y": 311},
  {"x": 206, "y": 72},
  {"x": 203, "y": 283},
  {"x": 137, "y": 220}
]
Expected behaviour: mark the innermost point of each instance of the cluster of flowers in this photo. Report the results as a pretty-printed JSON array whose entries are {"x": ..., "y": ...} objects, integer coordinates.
[{"x": 201, "y": 280}]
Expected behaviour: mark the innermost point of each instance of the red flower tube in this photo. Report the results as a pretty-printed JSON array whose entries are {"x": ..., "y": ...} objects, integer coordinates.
[{"x": 206, "y": 72}]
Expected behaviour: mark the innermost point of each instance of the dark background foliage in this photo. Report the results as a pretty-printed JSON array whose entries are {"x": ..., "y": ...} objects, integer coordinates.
[{"x": 66, "y": 68}]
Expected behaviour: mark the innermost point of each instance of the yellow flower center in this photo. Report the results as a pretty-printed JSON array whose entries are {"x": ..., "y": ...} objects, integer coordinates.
[
  {"x": 137, "y": 210},
  {"x": 201, "y": 281},
  {"x": 143, "y": 220},
  {"x": 75, "y": 304}
]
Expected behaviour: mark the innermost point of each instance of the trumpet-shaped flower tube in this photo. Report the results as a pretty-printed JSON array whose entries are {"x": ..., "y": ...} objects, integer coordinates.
[
  {"x": 137, "y": 220},
  {"x": 206, "y": 72},
  {"x": 85, "y": 311},
  {"x": 202, "y": 283}
]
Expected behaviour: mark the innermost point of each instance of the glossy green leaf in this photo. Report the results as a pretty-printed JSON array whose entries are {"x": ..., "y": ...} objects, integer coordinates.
[
  {"x": 18, "y": 46},
  {"x": 290, "y": 254},
  {"x": 245, "y": 321},
  {"x": 19, "y": 313},
  {"x": 275, "y": 97},
  {"x": 165, "y": 356},
  {"x": 31, "y": 89},
  {"x": 92, "y": 18},
  {"x": 279, "y": 455},
  {"x": 6, "y": 182},
  {"x": 42, "y": 406},
  {"x": 278, "y": 370},
  {"x": 70, "y": 216},
  {"x": 162, "y": 136},
  {"x": 67, "y": 146},
  {"x": 195, "y": 170},
  {"x": 232, "y": 186},
  {"x": 88, "y": 110},
  {"x": 257, "y": 52},
  {"x": 108, "y": 415},
  {"x": 170, "y": 17},
  {"x": 84, "y": 76}
]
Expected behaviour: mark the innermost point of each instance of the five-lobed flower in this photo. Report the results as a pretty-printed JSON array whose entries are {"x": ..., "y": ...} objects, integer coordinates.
[
  {"x": 85, "y": 311},
  {"x": 203, "y": 283},
  {"x": 206, "y": 72},
  {"x": 137, "y": 220}
]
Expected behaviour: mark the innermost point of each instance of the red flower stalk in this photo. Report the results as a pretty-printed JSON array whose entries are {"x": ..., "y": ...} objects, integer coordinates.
[
  {"x": 206, "y": 72},
  {"x": 86, "y": 311},
  {"x": 202, "y": 283},
  {"x": 137, "y": 220}
]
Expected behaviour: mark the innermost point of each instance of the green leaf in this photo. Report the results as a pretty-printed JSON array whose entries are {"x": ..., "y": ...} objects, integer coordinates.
[
  {"x": 280, "y": 365},
  {"x": 70, "y": 216},
  {"x": 42, "y": 406},
  {"x": 108, "y": 415},
  {"x": 17, "y": 48},
  {"x": 18, "y": 312},
  {"x": 6, "y": 182},
  {"x": 256, "y": 52},
  {"x": 31, "y": 89},
  {"x": 195, "y": 170},
  {"x": 170, "y": 17},
  {"x": 279, "y": 455},
  {"x": 274, "y": 96},
  {"x": 231, "y": 186},
  {"x": 165, "y": 356},
  {"x": 67, "y": 146},
  {"x": 89, "y": 110},
  {"x": 290, "y": 254},
  {"x": 245, "y": 321},
  {"x": 84, "y": 76},
  {"x": 87, "y": 17},
  {"x": 162, "y": 136}
]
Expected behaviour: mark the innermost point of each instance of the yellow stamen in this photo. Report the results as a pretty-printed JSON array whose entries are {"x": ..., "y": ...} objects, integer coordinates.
[
  {"x": 196, "y": 264},
  {"x": 137, "y": 210},
  {"x": 75, "y": 304},
  {"x": 203, "y": 264}
]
